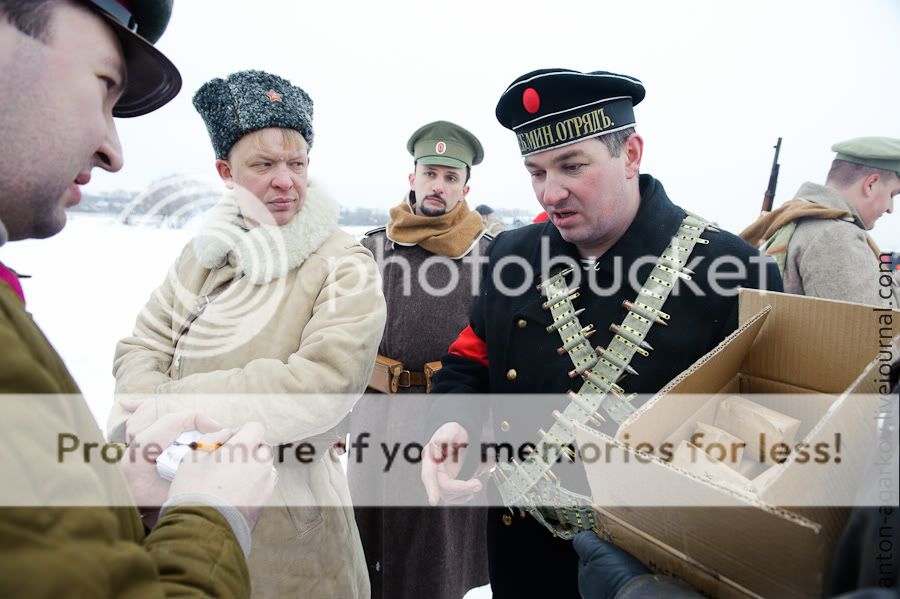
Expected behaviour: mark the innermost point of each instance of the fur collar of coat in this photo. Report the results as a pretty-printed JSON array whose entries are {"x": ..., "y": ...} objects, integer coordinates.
[{"x": 265, "y": 252}]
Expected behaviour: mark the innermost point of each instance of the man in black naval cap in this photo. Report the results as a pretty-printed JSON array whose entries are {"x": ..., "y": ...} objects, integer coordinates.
[
  {"x": 66, "y": 69},
  {"x": 612, "y": 263}
]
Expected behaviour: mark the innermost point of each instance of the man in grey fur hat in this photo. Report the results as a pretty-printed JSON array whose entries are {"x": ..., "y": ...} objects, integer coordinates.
[{"x": 276, "y": 312}]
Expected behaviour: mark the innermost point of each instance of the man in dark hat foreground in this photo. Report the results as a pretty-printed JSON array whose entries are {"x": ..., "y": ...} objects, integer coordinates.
[
  {"x": 68, "y": 525},
  {"x": 819, "y": 238},
  {"x": 616, "y": 261}
]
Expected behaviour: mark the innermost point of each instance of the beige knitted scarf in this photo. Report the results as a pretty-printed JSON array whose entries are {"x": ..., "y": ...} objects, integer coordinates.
[
  {"x": 452, "y": 234},
  {"x": 796, "y": 209}
]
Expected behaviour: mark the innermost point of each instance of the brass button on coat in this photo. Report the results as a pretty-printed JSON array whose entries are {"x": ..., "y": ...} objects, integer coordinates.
[
  {"x": 521, "y": 324},
  {"x": 504, "y": 426},
  {"x": 511, "y": 374},
  {"x": 507, "y": 519}
]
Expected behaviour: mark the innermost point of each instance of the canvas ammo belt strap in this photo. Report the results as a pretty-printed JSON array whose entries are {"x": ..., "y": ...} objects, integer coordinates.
[{"x": 530, "y": 485}]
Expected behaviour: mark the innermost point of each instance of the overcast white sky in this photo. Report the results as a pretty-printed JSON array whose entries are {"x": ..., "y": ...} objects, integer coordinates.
[{"x": 724, "y": 79}]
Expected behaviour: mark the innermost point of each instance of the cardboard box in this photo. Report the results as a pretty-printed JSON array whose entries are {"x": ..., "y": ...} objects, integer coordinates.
[{"x": 776, "y": 540}]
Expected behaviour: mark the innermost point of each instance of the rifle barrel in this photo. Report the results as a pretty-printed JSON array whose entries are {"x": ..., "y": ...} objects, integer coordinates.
[{"x": 769, "y": 196}]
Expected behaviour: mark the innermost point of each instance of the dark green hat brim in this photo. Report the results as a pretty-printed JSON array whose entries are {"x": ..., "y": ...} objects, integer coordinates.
[{"x": 442, "y": 161}]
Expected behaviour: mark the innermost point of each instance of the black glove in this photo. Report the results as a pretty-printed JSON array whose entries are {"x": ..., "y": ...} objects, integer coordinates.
[{"x": 603, "y": 569}]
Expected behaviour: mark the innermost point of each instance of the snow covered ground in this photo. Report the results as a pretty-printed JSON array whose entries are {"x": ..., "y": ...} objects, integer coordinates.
[{"x": 87, "y": 286}]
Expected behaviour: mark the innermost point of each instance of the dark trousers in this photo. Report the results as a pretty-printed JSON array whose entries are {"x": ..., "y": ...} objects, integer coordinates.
[{"x": 525, "y": 559}]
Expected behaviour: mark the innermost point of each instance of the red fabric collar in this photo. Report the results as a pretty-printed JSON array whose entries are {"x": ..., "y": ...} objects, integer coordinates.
[{"x": 9, "y": 277}]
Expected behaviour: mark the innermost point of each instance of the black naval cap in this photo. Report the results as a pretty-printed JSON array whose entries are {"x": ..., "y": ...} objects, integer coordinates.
[
  {"x": 551, "y": 108},
  {"x": 152, "y": 78},
  {"x": 247, "y": 101}
]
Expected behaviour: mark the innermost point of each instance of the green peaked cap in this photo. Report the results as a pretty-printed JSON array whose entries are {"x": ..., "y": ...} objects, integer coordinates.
[
  {"x": 877, "y": 152},
  {"x": 445, "y": 144}
]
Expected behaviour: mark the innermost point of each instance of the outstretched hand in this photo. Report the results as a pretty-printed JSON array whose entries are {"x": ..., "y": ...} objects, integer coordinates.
[{"x": 441, "y": 463}]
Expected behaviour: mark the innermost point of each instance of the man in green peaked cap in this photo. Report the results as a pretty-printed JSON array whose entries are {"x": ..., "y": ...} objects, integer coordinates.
[
  {"x": 442, "y": 150},
  {"x": 445, "y": 143},
  {"x": 70, "y": 528},
  {"x": 428, "y": 255},
  {"x": 819, "y": 238}
]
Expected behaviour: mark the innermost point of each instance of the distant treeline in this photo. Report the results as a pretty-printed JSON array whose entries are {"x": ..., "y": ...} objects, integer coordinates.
[
  {"x": 370, "y": 217},
  {"x": 173, "y": 201},
  {"x": 161, "y": 206}
]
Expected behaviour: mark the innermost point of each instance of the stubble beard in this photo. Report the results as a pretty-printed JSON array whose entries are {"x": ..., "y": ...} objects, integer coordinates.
[
  {"x": 34, "y": 212},
  {"x": 429, "y": 211}
]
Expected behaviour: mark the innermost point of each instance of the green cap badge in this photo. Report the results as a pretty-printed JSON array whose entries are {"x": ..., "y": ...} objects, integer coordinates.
[{"x": 445, "y": 144}]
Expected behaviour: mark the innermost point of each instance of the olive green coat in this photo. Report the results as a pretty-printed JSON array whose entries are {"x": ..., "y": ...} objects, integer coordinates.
[{"x": 93, "y": 551}]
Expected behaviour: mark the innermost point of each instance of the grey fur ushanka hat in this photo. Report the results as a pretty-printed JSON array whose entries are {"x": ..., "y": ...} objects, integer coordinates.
[{"x": 247, "y": 101}]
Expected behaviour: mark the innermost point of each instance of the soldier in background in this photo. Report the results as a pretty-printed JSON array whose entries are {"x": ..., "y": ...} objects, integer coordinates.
[
  {"x": 492, "y": 224},
  {"x": 819, "y": 238},
  {"x": 429, "y": 258}
]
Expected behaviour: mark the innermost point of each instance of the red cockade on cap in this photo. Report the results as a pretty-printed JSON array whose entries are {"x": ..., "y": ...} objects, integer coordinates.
[{"x": 531, "y": 100}]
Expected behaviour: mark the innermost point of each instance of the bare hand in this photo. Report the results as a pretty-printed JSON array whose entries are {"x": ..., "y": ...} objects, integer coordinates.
[
  {"x": 139, "y": 463},
  {"x": 441, "y": 463},
  {"x": 240, "y": 472},
  {"x": 143, "y": 411}
]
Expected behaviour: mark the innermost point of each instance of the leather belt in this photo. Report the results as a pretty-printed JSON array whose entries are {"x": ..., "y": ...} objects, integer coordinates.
[
  {"x": 389, "y": 375},
  {"x": 408, "y": 379}
]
